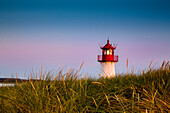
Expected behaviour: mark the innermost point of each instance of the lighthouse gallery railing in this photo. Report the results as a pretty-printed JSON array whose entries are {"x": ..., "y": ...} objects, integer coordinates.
[{"x": 109, "y": 58}]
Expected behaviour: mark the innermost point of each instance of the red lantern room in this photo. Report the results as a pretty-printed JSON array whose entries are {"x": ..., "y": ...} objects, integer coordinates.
[{"x": 108, "y": 54}]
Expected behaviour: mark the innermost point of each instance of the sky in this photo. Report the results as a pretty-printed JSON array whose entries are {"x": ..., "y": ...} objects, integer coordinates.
[{"x": 62, "y": 33}]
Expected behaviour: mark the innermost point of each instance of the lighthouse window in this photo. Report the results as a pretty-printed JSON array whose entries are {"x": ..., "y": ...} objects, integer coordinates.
[
  {"x": 108, "y": 52},
  {"x": 104, "y": 52}
]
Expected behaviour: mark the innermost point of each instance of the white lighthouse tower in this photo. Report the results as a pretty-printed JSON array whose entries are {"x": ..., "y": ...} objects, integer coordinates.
[{"x": 108, "y": 60}]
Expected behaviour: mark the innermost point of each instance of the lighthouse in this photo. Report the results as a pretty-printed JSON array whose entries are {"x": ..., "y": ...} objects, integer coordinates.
[{"x": 108, "y": 60}]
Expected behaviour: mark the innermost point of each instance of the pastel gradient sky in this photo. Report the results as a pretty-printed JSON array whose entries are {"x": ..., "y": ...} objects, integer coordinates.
[{"x": 57, "y": 33}]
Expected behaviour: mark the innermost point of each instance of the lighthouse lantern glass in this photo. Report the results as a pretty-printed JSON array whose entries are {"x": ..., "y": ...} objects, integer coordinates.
[
  {"x": 104, "y": 52},
  {"x": 108, "y": 52}
]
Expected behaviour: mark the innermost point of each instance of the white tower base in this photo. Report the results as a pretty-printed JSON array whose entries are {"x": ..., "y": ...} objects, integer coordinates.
[{"x": 108, "y": 69}]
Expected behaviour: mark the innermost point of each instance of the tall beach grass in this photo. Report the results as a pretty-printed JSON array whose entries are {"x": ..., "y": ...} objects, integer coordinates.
[{"x": 67, "y": 92}]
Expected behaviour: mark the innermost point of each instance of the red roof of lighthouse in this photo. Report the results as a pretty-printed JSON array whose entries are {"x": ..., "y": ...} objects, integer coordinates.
[{"x": 108, "y": 46}]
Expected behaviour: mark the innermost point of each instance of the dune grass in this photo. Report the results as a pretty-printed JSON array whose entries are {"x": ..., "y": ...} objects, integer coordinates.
[{"x": 67, "y": 92}]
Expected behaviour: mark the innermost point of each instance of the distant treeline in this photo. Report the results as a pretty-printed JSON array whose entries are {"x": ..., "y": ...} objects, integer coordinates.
[{"x": 13, "y": 80}]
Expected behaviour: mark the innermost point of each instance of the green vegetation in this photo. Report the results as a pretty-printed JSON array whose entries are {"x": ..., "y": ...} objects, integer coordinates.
[{"x": 147, "y": 93}]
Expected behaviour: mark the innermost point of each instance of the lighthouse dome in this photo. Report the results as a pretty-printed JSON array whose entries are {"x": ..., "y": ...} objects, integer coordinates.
[{"x": 108, "y": 46}]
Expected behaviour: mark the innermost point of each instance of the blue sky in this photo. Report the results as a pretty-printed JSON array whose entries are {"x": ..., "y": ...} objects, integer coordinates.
[{"x": 58, "y": 33}]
